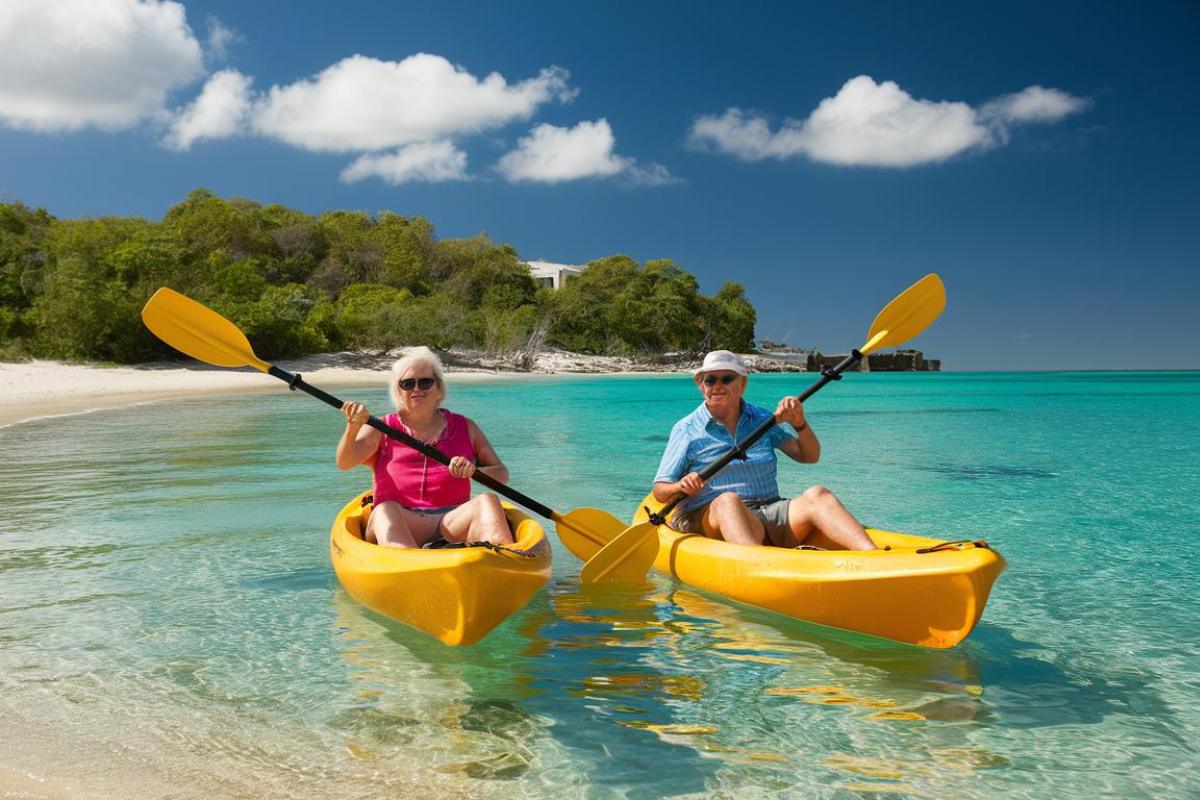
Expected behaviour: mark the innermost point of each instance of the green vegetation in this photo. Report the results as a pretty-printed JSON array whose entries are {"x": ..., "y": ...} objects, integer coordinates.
[{"x": 298, "y": 283}]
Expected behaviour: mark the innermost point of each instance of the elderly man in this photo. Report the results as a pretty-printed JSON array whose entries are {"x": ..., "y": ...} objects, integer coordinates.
[{"x": 741, "y": 504}]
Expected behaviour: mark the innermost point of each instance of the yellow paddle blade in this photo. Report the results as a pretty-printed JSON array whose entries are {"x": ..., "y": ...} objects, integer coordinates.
[
  {"x": 585, "y": 530},
  {"x": 198, "y": 331},
  {"x": 907, "y": 315},
  {"x": 626, "y": 558}
]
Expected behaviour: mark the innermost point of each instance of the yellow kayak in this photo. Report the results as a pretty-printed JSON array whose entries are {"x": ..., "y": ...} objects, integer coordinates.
[
  {"x": 455, "y": 594},
  {"x": 922, "y": 591}
]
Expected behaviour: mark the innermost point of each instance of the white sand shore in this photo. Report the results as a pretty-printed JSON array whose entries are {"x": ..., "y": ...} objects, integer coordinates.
[
  {"x": 48, "y": 388},
  {"x": 40, "y": 389}
]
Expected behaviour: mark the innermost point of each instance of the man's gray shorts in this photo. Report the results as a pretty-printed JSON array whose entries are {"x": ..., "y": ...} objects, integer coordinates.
[{"x": 773, "y": 514}]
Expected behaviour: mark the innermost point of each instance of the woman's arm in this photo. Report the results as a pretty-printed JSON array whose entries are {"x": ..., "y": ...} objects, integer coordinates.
[
  {"x": 487, "y": 460},
  {"x": 358, "y": 442}
]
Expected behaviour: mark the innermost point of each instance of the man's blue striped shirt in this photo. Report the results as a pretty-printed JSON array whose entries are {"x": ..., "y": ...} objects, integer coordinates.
[{"x": 698, "y": 440}]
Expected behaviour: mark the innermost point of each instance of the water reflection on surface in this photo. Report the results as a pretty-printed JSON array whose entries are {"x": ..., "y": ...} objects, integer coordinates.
[
  {"x": 696, "y": 695},
  {"x": 461, "y": 709},
  {"x": 170, "y": 620}
]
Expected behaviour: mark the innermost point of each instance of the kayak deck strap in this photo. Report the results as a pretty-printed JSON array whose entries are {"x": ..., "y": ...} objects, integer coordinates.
[
  {"x": 442, "y": 544},
  {"x": 955, "y": 545}
]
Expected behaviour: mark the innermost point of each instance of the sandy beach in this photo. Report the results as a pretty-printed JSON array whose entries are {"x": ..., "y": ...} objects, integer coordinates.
[{"x": 40, "y": 389}]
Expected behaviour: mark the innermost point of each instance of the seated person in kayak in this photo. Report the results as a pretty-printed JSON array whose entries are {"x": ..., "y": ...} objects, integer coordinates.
[
  {"x": 418, "y": 499},
  {"x": 741, "y": 503}
]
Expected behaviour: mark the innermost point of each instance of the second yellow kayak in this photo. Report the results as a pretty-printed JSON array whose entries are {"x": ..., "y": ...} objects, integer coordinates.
[
  {"x": 458, "y": 595},
  {"x": 921, "y": 591}
]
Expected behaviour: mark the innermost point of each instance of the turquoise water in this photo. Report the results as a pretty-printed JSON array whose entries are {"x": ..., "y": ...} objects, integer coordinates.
[{"x": 170, "y": 623}]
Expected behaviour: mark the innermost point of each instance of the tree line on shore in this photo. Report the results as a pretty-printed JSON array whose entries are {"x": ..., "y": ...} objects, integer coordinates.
[{"x": 298, "y": 283}]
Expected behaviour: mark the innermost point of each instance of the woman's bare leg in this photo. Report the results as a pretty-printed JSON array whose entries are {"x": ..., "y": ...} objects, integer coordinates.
[
  {"x": 480, "y": 519},
  {"x": 392, "y": 525}
]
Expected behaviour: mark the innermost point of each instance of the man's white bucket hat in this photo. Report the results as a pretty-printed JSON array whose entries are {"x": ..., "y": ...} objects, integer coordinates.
[{"x": 721, "y": 360}]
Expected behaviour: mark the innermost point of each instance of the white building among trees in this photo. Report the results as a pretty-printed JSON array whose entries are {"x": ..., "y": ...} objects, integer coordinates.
[{"x": 547, "y": 273}]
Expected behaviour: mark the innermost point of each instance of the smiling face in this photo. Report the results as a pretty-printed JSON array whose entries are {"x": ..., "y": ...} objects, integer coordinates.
[
  {"x": 425, "y": 393},
  {"x": 722, "y": 390}
]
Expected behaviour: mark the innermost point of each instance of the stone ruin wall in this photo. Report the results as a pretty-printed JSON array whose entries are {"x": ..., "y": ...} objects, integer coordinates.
[{"x": 899, "y": 361}]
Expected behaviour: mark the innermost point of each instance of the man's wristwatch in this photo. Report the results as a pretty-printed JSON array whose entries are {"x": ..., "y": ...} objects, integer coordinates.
[{"x": 802, "y": 427}]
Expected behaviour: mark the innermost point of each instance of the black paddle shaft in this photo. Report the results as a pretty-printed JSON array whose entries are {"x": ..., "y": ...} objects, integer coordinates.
[
  {"x": 739, "y": 449},
  {"x": 296, "y": 382}
]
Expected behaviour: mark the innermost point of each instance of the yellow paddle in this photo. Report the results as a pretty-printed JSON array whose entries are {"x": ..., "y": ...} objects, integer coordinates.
[
  {"x": 636, "y": 547},
  {"x": 198, "y": 331}
]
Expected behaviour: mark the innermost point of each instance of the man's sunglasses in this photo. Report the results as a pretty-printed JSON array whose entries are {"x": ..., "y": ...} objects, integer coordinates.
[
  {"x": 408, "y": 384},
  {"x": 712, "y": 380}
]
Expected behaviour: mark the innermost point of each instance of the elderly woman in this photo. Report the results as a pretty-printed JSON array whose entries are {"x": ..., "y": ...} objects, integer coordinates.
[
  {"x": 741, "y": 503},
  {"x": 419, "y": 500}
]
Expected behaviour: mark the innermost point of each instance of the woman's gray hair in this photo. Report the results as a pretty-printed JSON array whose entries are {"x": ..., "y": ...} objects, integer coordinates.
[{"x": 410, "y": 357}]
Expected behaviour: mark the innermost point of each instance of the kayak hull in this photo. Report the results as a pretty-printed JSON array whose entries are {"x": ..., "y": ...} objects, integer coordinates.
[
  {"x": 932, "y": 599},
  {"x": 457, "y": 595}
]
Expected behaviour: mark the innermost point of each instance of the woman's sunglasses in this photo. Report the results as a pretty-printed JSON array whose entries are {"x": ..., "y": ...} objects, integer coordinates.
[
  {"x": 425, "y": 384},
  {"x": 712, "y": 380}
]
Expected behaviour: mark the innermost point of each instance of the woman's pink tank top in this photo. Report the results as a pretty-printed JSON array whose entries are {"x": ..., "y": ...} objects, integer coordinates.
[{"x": 414, "y": 480}]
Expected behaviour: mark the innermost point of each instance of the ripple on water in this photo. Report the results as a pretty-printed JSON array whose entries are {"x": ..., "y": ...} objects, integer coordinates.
[{"x": 175, "y": 601}]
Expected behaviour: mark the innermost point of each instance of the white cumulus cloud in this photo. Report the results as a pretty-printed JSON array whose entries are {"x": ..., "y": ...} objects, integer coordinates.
[
  {"x": 364, "y": 104},
  {"x": 1034, "y": 104},
  {"x": 551, "y": 154},
  {"x": 432, "y": 162},
  {"x": 748, "y": 137},
  {"x": 220, "y": 38},
  {"x": 650, "y": 175},
  {"x": 66, "y": 65},
  {"x": 70, "y": 64},
  {"x": 879, "y": 124},
  {"x": 220, "y": 111}
]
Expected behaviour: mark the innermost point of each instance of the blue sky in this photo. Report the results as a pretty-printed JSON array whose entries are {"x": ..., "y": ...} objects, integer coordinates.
[{"x": 1040, "y": 157}]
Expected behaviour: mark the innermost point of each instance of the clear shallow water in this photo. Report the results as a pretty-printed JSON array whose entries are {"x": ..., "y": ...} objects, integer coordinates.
[{"x": 169, "y": 620}]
